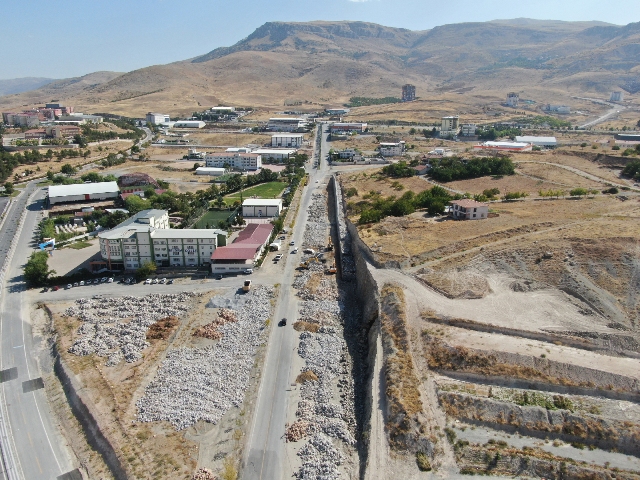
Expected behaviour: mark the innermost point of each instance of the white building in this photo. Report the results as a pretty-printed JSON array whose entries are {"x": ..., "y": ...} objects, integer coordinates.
[
  {"x": 467, "y": 209},
  {"x": 469, "y": 129},
  {"x": 157, "y": 118},
  {"x": 449, "y": 125},
  {"x": 546, "y": 142},
  {"x": 391, "y": 149},
  {"x": 262, "y": 207},
  {"x": 279, "y": 155},
  {"x": 146, "y": 237},
  {"x": 563, "y": 109},
  {"x": 83, "y": 192},
  {"x": 512, "y": 99},
  {"x": 285, "y": 124},
  {"x": 241, "y": 161},
  {"x": 347, "y": 127},
  {"x": 189, "y": 124},
  {"x": 211, "y": 171},
  {"x": 337, "y": 111},
  {"x": 348, "y": 153},
  {"x": 504, "y": 146},
  {"x": 238, "y": 150},
  {"x": 222, "y": 110},
  {"x": 287, "y": 140}
]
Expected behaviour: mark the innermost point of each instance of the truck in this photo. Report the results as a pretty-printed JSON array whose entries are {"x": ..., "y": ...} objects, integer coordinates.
[{"x": 247, "y": 286}]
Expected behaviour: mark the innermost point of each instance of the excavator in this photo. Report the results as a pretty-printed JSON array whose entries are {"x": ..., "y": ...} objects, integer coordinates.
[
  {"x": 330, "y": 245},
  {"x": 306, "y": 264},
  {"x": 331, "y": 270}
]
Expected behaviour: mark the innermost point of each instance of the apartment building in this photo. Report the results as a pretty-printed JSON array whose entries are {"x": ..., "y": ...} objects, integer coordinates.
[
  {"x": 240, "y": 161},
  {"x": 287, "y": 140},
  {"x": 391, "y": 149},
  {"x": 157, "y": 118},
  {"x": 450, "y": 125},
  {"x": 408, "y": 93}
]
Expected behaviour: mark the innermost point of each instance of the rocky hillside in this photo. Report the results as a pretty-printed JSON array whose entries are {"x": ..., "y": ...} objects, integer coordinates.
[{"x": 328, "y": 62}]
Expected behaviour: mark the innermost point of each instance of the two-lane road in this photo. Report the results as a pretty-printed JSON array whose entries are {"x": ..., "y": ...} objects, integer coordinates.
[{"x": 33, "y": 448}]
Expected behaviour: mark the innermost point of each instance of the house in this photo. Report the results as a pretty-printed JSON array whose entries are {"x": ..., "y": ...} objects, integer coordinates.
[
  {"x": 421, "y": 169},
  {"x": 136, "y": 182},
  {"x": 467, "y": 209},
  {"x": 244, "y": 251},
  {"x": 262, "y": 207}
]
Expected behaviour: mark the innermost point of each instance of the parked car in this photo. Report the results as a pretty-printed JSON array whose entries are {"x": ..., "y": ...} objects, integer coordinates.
[
  {"x": 163, "y": 281},
  {"x": 218, "y": 277},
  {"x": 155, "y": 281},
  {"x": 82, "y": 283},
  {"x": 170, "y": 282},
  {"x": 277, "y": 258},
  {"x": 110, "y": 280},
  {"x": 282, "y": 237},
  {"x": 56, "y": 288},
  {"x": 283, "y": 322},
  {"x": 75, "y": 284},
  {"x": 248, "y": 271},
  {"x": 292, "y": 243},
  {"x": 103, "y": 280},
  {"x": 96, "y": 281},
  {"x": 147, "y": 281},
  {"x": 69, "y": 286},
  {"x": 295, "y": 250}
]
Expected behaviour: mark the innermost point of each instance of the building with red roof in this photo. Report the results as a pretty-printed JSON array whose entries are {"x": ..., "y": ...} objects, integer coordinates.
[{"x": 244, "y": 251}]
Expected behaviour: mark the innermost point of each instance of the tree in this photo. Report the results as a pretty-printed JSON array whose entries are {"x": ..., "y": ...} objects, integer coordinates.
[
  {"x": 578, "y": 192},
  {"x": 79, "y": 139},
  {"x": 147, "y": 269},
  {"x": 36, "y": 271},
  {"x": 68, "y": 169},
  {"x": 8, "y": 188}
]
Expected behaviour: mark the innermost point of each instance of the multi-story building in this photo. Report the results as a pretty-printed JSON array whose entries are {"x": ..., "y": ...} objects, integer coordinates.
[
  {"x": 53, "y": 131},
  {"x": 59, "y": 107},
  {"x": 616, "y": 97},
  {"x": 25, "y": 119},
  {"x": 513, "y": 99},
  {"x": 146, "y": 237},
  {"x": 469, "y": 129},
  {"x": 287, "y": 140},
  {"x": 450, "y": 125},
  {"x": 408, "y": 93},
  {"x": 80, "y": 119},
  {"x": 157, "y": 118},
  {"x": 240, "y": 161},
  {"x": 564, "y": 109},
  {"x": 391, "y": 149},
  {"x": 347, "y": 127},
  {"x": 272, "y": 154},
  {"x": 285, "y": 124}
]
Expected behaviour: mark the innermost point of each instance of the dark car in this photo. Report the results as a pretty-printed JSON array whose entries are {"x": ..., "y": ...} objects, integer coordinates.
[
  {"x": 283, "y": 322},
  {"x": 218, "y": 277}
]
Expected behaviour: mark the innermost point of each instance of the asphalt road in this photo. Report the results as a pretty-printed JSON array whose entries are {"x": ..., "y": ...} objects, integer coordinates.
[
  {"x": 39, "y": 451},
  {"x": 265, "y": 449}
]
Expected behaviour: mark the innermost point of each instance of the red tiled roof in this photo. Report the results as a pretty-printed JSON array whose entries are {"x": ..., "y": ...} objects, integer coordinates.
[
  {"x": 255, "y": 233},
  {"x": 235, "y": 252},
  {"x": 246, "y": 245}
]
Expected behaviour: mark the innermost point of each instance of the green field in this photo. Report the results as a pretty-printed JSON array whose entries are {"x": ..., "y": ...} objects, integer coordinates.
[
  {"x": 264, "y": 190},
  {"x": 212, "y": 217}
]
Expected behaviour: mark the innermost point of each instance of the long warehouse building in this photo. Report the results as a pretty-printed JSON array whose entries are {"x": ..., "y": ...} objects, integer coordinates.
[{"x": 83, "y": 192}]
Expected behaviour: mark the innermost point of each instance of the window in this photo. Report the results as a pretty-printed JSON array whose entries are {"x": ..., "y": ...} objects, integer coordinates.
[{"x": 474, "y": 215}]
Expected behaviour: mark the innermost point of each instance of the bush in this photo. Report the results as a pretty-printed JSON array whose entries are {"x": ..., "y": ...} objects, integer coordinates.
[
  {"x": 454, "y": 168},
  {"x": 612, "y": 191},
  {"x": 578, "y": 192},
  {"x": 146, "y": 270},
  {"x": 400, "y": 169},
  {"x": 36, "y": 271},
  {"x": 615, "y": 147},
  {"x": 423, "y": 462},
  {"x": 514, "y": 195},
  {"x": 631, "y": 169}
]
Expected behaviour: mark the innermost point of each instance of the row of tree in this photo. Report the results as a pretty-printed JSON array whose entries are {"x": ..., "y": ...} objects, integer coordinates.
[{"x": 455, "y": 168}]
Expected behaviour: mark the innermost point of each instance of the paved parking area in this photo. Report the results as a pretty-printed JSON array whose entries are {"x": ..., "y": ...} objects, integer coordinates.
[{"x": 67, "y": 260}]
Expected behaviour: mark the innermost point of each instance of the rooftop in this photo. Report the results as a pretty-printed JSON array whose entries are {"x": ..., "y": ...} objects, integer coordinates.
[
  {"x": 56, "y": 191},
  {"x": 468, "y": 203},
  {"x": 259, "y": 202},
  {"x": 186, "y": 233},
  {"x": 266, "y": 151},
  {"x": 288, "y": 135},
  {"x": 532, "y": 138}
]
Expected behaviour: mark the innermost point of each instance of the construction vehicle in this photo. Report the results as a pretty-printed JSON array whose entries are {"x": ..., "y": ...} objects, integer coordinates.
[
  {"x": 307, "y": 263},
  {"x": 247, "y": 286},
  {"x": 331, "y": 270},
  {"x": 330, "y": 245}
]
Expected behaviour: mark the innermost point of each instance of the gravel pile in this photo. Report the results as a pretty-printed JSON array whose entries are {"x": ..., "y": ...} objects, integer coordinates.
[
  {"x": 212, "y": 330},
  {"x": 204, "y": 383},
  {"x": 320, "y": 459},
  {"x": 347, "y": 263},
  {"x": 116, "y": 328},
  {"x": 317, "y": 229},
  {"x": 204, "y": 474}
]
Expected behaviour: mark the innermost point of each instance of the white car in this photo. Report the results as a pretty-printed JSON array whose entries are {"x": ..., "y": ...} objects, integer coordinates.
[
  {"x": 248, "y": 271},
  {"x": 163, "y": 281},
  {"x": 295, "y": 250},
  {"x": 155, "y": 281},
  {"x": 147, "y": 281},
  {"x": 110, "y": 280},
  {"x": 277, "y": 258}
]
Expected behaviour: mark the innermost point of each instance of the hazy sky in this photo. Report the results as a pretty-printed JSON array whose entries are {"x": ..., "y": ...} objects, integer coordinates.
[{"x": 66, "y": 38}]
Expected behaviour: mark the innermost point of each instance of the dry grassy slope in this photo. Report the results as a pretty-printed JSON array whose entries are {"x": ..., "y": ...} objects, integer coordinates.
[{"x": 327, "y": 62}]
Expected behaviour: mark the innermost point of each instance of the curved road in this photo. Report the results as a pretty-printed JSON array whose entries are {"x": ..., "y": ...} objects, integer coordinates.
[{"x": 32, "y": 447}]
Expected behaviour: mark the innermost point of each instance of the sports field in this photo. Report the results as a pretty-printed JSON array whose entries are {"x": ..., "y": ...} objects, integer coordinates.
[
  {"x": 212, "y": 217},
  {"x": 264, "y": 190}
]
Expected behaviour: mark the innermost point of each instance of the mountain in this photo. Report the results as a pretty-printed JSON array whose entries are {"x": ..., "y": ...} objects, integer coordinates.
[
  {"x": 326, "y": 63},
  {"x": 24, "y": 84}
]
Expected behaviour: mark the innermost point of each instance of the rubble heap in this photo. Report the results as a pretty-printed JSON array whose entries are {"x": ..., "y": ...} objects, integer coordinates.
[
  {"x": 317, "y": 229},
  {"x": 211, "y": 330},
  {"x": 204, "y": 383},
  {"x": 116, "y": 328},
  {"x": 204, "y": 474}
]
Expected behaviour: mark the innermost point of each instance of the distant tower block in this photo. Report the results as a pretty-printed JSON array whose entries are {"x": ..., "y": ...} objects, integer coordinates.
[
  {"x": 512, "y": 99},
  {"x": 408, "y": 93},
  {"x": 616, "y": 97}
]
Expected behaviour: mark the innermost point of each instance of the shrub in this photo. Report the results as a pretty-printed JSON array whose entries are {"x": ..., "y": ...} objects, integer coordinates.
[
  {"x": 612, "y": 190},
  {"x": 423, "y": 462},
  {"x": 578, "y": 192},
  {"x": 36, "y": 271}
]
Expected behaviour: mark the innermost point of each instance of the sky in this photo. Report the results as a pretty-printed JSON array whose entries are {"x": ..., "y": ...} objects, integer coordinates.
[{"x": 68, "y": 38}]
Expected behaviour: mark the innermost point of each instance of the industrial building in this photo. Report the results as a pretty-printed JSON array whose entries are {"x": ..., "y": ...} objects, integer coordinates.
[
  {"x": 408, "y": 93},
  {"x": 287, "y": 140},
  {"x": 262, "y": 207},
  {"x": 337, "y": 111},
  {"x": 546, "y": 142},
  {"x": 391, "y": 149},
  {"x": 285, "y": 124},
  {"x": 467, "y": 209},
  {"x": 244, "y": 251},
  {"x": 222, "y": 110},
  {"x": 211, "y": 171},
  {"x": 240, "y": 161},
  {"x": 504, "y": 146},
  {"x": 157, "y": 118},
  {"x": 563, "y": 109},
  {"x": 83, "y": 192},
  {"x": 279, "y": 155},
  {"x": 347, "y": 127},
  {"x": 616, "y": 97},
  {"x": 189, "y": 124},
  {"x": 146, "y": 237},
  {"x": 79, "y": 119},
  {"x": 449, "y": 125},
  {"x": 512, "y": 99}
]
